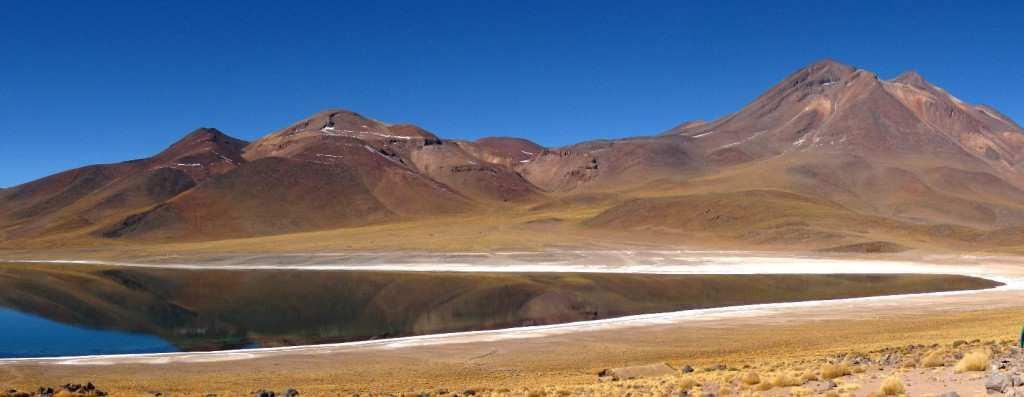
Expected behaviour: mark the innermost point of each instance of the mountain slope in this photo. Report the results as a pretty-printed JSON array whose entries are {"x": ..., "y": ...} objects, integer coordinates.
[
  {"x": 902, "y": 148},
  {"x": 90, "y": 196},
  {"x": 336, "y": 134},
  {"x": 832, "y": 154}
]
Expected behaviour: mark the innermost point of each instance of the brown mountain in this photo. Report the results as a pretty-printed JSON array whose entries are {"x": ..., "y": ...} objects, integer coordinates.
[
  {"x": 902, "y": 148},
  {"x": 86, "y": 197},
  {"x": 830, "y": 155}
]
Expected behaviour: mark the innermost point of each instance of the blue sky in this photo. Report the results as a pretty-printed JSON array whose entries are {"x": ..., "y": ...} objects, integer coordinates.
[{"x": 93, "y": 82}]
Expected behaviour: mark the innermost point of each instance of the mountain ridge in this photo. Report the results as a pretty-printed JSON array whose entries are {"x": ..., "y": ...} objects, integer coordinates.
[{"x": 901, "y": 149}]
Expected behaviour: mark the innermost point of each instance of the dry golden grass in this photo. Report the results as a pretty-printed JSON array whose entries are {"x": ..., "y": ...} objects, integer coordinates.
[
  {"x": 764, "y": 386},
  {"x": 786, "y": 380},
  {"x": 686, "y": 383},
  {"x": 847, "y": 387},
  {"x": 974, "y": 361},
  {"x": 936, "y": 358},
  {"x": 832, "y": 371},
  {"x": 892, "y": 386},
  {"x": 750, "y": 378}
]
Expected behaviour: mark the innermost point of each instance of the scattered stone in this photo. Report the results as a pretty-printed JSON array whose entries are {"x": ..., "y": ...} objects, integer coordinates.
[
  {"x": 998, "y": 382},
  {"x": 69, "y": 390},
  {"x": 640, "y": 371},
  {"x": 291, "y": 393},
  {"x": 686, "y": 369},
  {"x": 716, "y": 367}
]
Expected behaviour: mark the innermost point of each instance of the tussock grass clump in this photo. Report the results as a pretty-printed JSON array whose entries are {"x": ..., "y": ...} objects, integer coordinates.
[
  {"x": 892, "y": 386},
  {"x": 750, "y": 378},
  {"x": 934, "y": 359},
  {"x": 832, "y": 371},
  {"x": 786, "y": 380},
  {"x": 686, "y": 383},
  {"x": 847, "y": 387},
  {"x": 974, "y": 361}
]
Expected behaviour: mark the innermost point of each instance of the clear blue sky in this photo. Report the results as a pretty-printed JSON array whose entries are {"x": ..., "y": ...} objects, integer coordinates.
[{"x": 97, "y": 81}]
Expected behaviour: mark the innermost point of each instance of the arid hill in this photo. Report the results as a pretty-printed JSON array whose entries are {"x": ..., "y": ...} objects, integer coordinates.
[{"x": 832, "y": 155}]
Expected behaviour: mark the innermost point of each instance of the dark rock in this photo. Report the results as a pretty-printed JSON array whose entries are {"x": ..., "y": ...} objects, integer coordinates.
[
  {"x": 686, "y": 369},
  {"x": 291, "y": 393},
  {"x": 998, "y": 382}
]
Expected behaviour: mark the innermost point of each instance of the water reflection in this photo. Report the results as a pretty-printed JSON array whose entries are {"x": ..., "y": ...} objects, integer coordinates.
[
  {"x": 26, "y": 335},
  {"x": 227, "y": 309}
]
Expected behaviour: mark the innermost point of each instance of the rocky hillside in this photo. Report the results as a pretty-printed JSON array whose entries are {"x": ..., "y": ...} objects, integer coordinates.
[{"x": 830, "y": 140}]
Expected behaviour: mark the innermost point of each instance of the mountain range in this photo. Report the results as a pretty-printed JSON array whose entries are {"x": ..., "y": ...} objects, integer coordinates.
[{"x": 832, "y": 156}]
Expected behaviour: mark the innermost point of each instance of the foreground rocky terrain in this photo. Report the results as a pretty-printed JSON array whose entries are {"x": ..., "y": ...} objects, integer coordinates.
[{"x": 961, "y": 368}]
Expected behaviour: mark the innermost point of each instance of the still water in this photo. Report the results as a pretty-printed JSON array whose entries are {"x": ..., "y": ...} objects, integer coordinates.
[
  {"x": 114, "y": 311},
  {"x": 26, "y": 335}
]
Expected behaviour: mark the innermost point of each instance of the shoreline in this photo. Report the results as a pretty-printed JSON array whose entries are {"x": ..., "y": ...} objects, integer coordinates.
[{"x": 734, "y": 264}]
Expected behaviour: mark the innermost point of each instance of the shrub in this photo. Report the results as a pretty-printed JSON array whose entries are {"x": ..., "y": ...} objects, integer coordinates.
[
  {"x": 786, "y": 380},
  {"x": 750, "y": 378},
  {"x": 764, "y": 386},
  {"x": 832, "y": 371},
  {"x": 974, "y": 361},
  {"x": 892, "y": 386},
  {"x": 934, "y": 359},
  {"x": 686, "y": 383}
]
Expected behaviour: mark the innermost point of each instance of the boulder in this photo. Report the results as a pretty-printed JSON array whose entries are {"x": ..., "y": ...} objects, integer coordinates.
[{"x": 998, "y": 382}]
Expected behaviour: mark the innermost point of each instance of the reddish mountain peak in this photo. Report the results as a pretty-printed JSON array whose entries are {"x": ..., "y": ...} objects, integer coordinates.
[
  {"x": 828, "y": 64},
  {"x": 911, "y": 77},
  {"x": 336, "y": 125},
  {"x": 203, "y": 139},
  {"x": 824, "y": 70},
  {"x": 201, "y": 153}
]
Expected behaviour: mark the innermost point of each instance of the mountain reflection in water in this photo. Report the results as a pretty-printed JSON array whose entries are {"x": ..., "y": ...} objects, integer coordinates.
[{"x": 158, "y": 310}]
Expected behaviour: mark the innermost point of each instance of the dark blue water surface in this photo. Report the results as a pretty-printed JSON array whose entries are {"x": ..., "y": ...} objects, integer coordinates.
[{"x": 26, "y": 335}]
